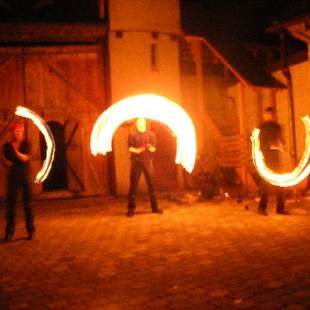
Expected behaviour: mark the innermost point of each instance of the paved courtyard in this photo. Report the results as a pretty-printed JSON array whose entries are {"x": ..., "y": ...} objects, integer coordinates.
[{"x": 211, "y": 255}]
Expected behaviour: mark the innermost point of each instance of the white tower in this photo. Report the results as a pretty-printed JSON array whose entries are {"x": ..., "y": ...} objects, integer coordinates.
[{"x": 144, "y": 58}]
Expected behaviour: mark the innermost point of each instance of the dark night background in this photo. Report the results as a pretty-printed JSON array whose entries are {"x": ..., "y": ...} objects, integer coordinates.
[
  {"x": 230, "y": 25},
  {"x": 244, "y": 18}
]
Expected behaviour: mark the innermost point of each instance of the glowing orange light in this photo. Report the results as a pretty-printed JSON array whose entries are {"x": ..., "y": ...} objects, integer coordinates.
[
  {"x": 152, "y": 107},
  {"x": 301, "y": 171},
  {"x": 49, "y": 139}
]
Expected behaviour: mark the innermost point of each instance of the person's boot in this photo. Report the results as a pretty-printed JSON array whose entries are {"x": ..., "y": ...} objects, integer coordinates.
[
  {"x": 159, "y": 211},
  {"x": 130, "y": 212},
  {"x": 8, "y": 236},
  {"x": 283, "y": 212},
  {"x": 262, "y": 211},
  {"x": 155, "y": 208},
  {"x": 30, "y": 235}
]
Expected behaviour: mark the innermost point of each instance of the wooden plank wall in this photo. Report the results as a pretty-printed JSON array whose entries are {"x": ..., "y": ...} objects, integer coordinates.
[{"x": 63, "y": 84}]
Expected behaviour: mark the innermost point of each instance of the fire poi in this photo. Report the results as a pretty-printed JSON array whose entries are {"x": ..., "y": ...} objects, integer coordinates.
[
  {"x": 301, "y": 171},
  {"x": 49, "y": 140},
  {"x": 152, "y": 107}
]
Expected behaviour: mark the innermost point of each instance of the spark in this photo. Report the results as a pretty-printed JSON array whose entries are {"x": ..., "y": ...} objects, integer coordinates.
[
  {"x": 152, "y": 107},
  {"x": 49, "y": 140},
  {"x": 301, "y": 171}
]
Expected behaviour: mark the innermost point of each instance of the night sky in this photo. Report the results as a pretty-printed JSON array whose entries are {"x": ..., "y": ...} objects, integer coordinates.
[
  {"x": 239, "y": 20},
  {"x": 244, "y": 20}
]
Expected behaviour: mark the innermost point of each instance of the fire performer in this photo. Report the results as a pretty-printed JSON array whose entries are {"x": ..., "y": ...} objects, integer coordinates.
[
  {"x": 271, "y": 145},
  {"x": 142, "y": 145},
  {"x": 16, "y": 158}
]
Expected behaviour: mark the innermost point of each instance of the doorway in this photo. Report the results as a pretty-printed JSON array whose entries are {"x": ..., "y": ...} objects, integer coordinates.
[
  {"x": 57, "y": 179},
  {"x": 165, "y": 169}
]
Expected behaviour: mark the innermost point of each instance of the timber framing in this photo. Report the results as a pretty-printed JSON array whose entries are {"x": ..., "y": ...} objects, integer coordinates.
[
  {"x": 278, "y": 27},
  {"x": 299, "y": 28},
  {"x": 52, "y": 33}
]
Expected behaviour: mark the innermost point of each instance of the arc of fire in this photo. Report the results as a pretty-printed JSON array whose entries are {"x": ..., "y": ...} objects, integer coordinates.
[
  {"x": 301, "y": 171},
  {"x": 49, "y": 140},
  {"x": 152, "y": 107}
]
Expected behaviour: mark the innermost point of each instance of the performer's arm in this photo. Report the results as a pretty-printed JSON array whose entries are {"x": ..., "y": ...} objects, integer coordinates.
[
  {"x": 136, "y": 150},
  {"x": 151, "y": 146},
  {"x": 131, "y": 146},
  {"x": 279, "y": 144},
  {"x": 21, "y": 156},
  {"x": 7, "y": 151},
  {"x": 6, "y": 162}
]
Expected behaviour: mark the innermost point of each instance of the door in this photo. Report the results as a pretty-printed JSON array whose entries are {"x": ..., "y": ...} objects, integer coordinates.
[
  {"x": 57, "y": 179},
  {"x": 165, "y": 169}
]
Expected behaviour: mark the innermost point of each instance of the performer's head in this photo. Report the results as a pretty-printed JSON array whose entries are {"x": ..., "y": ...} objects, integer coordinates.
[
  {"x": 17, "y": 131},
  {"x": 141, "y": 124},
  {"x": 270, "y": 114}
]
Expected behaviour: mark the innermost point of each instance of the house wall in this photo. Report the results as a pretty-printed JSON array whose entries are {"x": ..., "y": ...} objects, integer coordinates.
[
  {"x": 257, "y": 99},
  {"x": 301, "y": 92},
  {"x": 131, "y": 68},
  {"x": 145, "y": 15}
]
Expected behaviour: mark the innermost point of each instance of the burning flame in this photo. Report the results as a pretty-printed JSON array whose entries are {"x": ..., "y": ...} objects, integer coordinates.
[
  {"x": 152, "y": 107},
  {"x": 301, "y": 171},
  {"x": 49, "y": 140}
]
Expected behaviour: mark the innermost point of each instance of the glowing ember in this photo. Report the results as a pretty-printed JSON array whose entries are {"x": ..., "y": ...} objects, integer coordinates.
[
  {"x": 152, "y": 107},
  {"x": 49, "y": 140},
  {"x": 294, "y": 177}
]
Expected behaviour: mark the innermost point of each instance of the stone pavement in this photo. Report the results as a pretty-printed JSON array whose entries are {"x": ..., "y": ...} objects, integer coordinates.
[{"x": 213, "y": 255}]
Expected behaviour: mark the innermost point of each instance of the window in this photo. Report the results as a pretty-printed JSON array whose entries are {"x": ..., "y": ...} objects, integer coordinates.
[{"x": 154, "y": 60}]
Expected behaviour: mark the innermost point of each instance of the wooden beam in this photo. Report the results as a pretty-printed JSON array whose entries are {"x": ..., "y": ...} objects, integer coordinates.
[
  {"x": 220, "y": 57},
  {"x": 241, "y": 112},
  {"x": 46, "y": 32},
  {"x": 301, "y": 36},
  {"x": 285, "y": 25},
  {"x": 101, "y": 9}
]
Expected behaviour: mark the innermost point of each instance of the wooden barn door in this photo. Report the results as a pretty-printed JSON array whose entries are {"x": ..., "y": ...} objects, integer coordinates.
[
  {"x": 57, "y": 179},
  {"x": 66, "y": 85},
  {"x": 11, "y": 79},
  {"x": 11, "y": 94}
]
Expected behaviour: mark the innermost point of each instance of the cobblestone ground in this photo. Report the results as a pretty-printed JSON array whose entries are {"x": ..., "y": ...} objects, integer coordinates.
[{"x": 215, "y": 255}]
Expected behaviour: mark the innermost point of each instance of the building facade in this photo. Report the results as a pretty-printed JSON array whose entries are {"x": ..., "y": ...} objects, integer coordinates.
[
  {"x": 58, "y": 71},
  {"x": 70, "y": 72}
]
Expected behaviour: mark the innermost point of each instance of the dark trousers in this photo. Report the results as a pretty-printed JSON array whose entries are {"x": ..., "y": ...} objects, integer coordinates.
[
  {"x": 136, "y": 169},
  {"x": 273, "y": 162},
  {"x": 15, "y": 184},
  {"x": 265, "y": 190}
]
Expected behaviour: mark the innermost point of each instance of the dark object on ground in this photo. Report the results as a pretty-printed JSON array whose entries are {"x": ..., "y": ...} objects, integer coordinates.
[
  {"x": 8, "y": 237},
  {"x": 262, "y": 212},
  {"x": 130, "y": 213},
  {"x": 283, "y": 212},
  {"x": 159, "y": 211}
]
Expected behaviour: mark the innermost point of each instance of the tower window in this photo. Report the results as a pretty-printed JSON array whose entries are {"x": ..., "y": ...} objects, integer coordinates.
[
  {"x": 154, "y": 35},
  {"x": 119, "y": 34},
  {"x": 154, "y": 57}
]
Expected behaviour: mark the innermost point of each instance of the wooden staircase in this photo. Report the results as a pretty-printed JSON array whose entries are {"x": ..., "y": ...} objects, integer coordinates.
[
  {"x": 235, "y": 152},
  {"x": 234, "y": 149}
]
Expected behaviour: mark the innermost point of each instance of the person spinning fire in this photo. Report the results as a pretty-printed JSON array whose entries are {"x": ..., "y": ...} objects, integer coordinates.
[
  {"x": 271, "y": 143},
  {"x": 142, "y": 145},
  {"x": 16, "y": 158}
]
